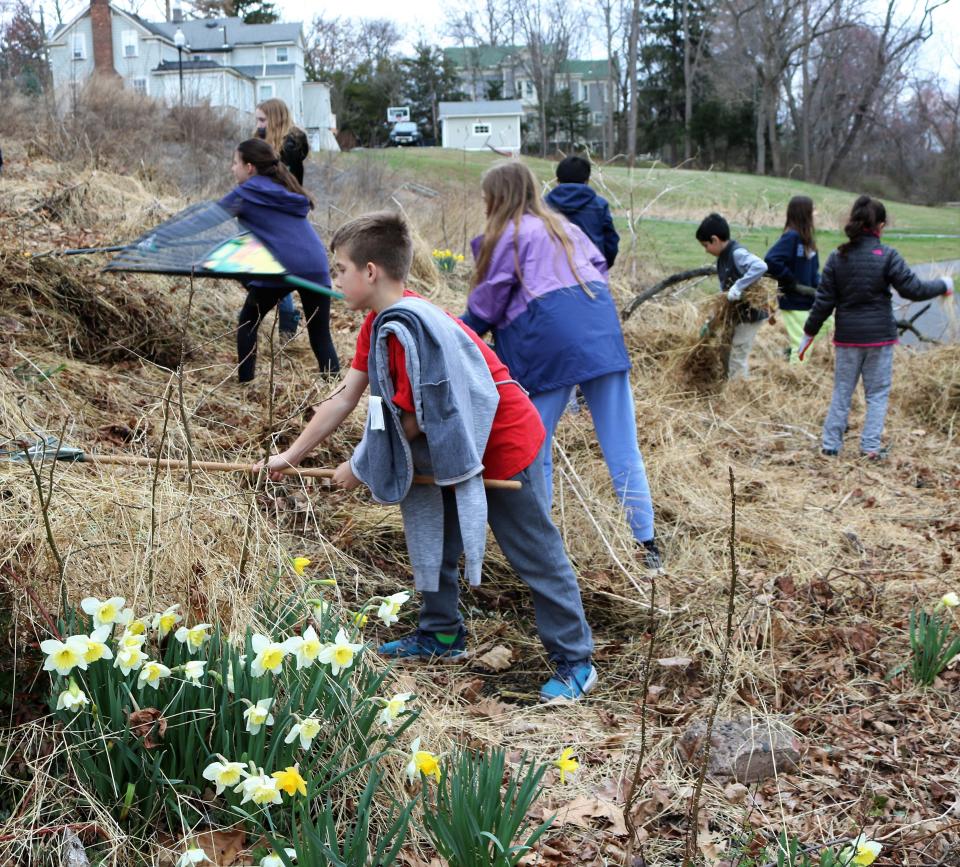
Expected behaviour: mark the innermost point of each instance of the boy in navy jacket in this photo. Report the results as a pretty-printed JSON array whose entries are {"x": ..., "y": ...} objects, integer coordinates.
[{"x": 581, "y": 205}]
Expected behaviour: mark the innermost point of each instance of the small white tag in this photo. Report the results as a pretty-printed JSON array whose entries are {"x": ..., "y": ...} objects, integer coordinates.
[{"x": 375, "y": 412}]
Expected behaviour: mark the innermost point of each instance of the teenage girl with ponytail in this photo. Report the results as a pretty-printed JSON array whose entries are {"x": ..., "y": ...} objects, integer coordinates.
[
  {"x": 271, "y": 203},
  {"x": 855, "y": 286}
]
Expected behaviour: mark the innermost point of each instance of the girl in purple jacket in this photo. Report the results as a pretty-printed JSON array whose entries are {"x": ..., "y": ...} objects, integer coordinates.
[
  {"x": 270, "y": 202},
  {"x": 540, "y": 286}
]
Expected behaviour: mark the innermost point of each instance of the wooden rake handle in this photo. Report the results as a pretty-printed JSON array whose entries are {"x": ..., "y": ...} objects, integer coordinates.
[{"x": 221, "y": 467}]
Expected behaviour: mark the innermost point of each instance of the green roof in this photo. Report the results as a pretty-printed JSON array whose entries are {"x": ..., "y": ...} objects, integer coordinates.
[
  {"x": 481, "y": 56},
  {"x": 588, "y": 69}
]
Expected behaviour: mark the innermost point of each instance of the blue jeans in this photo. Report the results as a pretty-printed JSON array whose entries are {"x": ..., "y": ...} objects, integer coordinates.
[
  {"x": 610, "y": 400},
  {"x": 288, "y": 313},
  {"x": 873, "y": 364}
]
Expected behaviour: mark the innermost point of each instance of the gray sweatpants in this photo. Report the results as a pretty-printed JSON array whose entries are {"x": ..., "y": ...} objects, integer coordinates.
[
  {"x": 523, "y": 528},
  {"x": 874, "y": 364},
  {"x": 744, "y": 334}
]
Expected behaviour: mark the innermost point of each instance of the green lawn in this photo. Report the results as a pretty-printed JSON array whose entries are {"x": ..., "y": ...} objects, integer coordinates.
[{"x": 666, "y": 205}]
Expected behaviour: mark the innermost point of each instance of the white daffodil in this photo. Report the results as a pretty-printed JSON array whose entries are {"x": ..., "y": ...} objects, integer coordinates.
[
  {"x": 224, "y": 774},
  {"x": 258, "y": 715},
  {"x": 393, "y": 707},
  {"x": 950, "y": 600},
  {"x": 129, "y": 659},
  {"x": 340, "y": 654},
  {"x": 64, "y": 656},
  {"x": 131, "y": 623},
  {"x": 152, "y": 673},
  {"x": 194, "y": 637},
  {"x": 193, "y": 856},
  {"x": 130, "y": 641},
  {"x": 72, "y": 698},
  {"x": 269, "y": 655},
  {"x": 260, "y": 788},
  {"x": 307, "y": 647},
  {"x": 193, "y": 670},
  {"x": 104, "y": 613},
  {"x": 862, "y": 852},
  {"x": 422, "y": 762},
  {"x": 389, "y": 609},
  {"x": 307, "y": 729},
  {"x": 274, "y": 860},
  {"x": 319, "y": 609},
  {"x": 164, "y": 622},
  {"x": 97, "y": 645}
]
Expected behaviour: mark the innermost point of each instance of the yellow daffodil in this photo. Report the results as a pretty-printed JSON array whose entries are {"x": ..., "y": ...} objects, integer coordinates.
[
  {"x": 862, "y": 852},
  {"x": 72, "y": 698},
  {"x": 258, "y": 715},
  {"x": 306, "y": 729},
  {"x": 360, "y": 619},
  {"x": 269, "y": 655},
  {"x": 259, "y": 788},
  {"x": 290, "y": 781},
  {"x": 299, "y": 564},
  {"x": 164, "y": 622},
  {"x": 152, "y": 673},
  {"x": 422, "y": 762},
  {"x": 193, "y": 856},
  {"x": 194, "y": 637},
  {"x": 390, "y": 607},
  {"x": 64, "y": 656},
  {"x": 224, "y": 774},
  {"x": 129, "y": 659},
  {"x": 950, "y": 600},
  {"x": 306, "y": 647},
  {"x": 274, "y": 860},
  {"x": 393, "y": 707},
  {"x": 96, "y": 645},
  {"x": 567, "y": 764},
  {"x": 193, "y": 670},
  {"x": 104, "y": 613},
  {"x": 339, "y": 655}
]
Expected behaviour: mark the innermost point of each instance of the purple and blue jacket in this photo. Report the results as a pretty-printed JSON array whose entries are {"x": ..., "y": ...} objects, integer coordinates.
[{"x": 548, "y": 331}]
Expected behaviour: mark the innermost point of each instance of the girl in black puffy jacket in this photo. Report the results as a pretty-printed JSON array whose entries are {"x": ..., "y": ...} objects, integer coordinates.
[{"x": 855, "y": 287}]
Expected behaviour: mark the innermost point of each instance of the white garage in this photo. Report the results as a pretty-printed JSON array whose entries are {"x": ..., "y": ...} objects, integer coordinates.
[{"x": 476, "y": 126}]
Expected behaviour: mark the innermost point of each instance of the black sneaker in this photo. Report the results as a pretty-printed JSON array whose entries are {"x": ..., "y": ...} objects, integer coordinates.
[
  {"x": 829, "y": 453},
  {"x": 651, "y": 555}
]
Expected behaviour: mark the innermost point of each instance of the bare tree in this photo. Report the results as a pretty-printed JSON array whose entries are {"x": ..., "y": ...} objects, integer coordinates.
[{"x": 633, "y": 51}]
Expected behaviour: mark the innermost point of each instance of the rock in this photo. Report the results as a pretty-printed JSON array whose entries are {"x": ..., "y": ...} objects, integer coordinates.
[
  {"x": 747, "y": 749},
  {"x": 72, "y": 853}
]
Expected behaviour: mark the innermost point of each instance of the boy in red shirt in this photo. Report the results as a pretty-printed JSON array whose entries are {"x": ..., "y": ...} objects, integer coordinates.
[{"x": 372, "y": 256}]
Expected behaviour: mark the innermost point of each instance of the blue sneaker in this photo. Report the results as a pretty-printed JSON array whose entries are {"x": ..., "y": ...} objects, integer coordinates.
[
  {"x": 424, "y": 645},
  {"x": 572, "y": 681}
]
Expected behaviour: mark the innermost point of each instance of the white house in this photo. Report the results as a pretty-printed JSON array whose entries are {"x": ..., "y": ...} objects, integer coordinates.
[
  {"x": 476, "y": 126},
  {"x": 224, "y": 62}
]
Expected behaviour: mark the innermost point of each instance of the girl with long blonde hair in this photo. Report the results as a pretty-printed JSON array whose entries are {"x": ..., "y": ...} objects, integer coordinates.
[{"x": 540, "y": 286}]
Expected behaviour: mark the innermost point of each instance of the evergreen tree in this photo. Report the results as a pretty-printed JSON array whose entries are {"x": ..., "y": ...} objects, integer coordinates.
[
  {"x": 21, "y": 50},
  {"x": 430, "y": 78},
  {"x": 569, "y": 119},
  {"x": 255, "y": 11},
  {"x": 366, "y": 93}
]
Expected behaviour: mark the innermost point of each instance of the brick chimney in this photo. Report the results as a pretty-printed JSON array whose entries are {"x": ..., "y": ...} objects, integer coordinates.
[{"x": 102, "y": 28}]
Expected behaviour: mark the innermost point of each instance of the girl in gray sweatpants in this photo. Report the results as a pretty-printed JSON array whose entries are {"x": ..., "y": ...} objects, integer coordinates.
[{"x": 856, "y": 286}]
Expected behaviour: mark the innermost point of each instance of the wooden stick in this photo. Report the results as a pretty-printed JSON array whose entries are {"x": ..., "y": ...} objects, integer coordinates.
[{"x": 220, "y": 467}]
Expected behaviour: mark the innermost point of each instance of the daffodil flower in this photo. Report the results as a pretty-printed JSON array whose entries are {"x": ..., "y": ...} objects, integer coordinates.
[
  {"x": 130, "y": 641},
  {"x": 306, "y": 729},
  {"x": 339, "y": 655},
  {"x": 152, "y": 673},
  {"x": 129, "y": 659},
  {"x": 269, "y": 656},
  {"x": 950, "y": 600},
  {"x": 862, "y": 852},
  {"x": 274, "y": 860},
  {"x": 96, "y": 645},
  {"x": 72, "y": 698},
  {"x": 64, "y": 656},
  {"x": 260, "y": 789},
  {"x": 164, "y": 622},
  {"x": 290, "y": 781},
  {"x": 104, "y": 613},
  {"x": 393, "y": 707},
  {"x": 224, "y": 774},
  {"x": 422, "y": 762},
  {"x": 319, "y": 609},
  {"x": 258, "y": 715},
  {"x": 193, "y": 670},
  {"x": 194, "y": 637},
  {"x": 306, "y": 647},
  {"x": 299, "y": 564},
  {"x": 567, "y": 764},
  {"x": 390, "y": 607},
  {"x": 131, "y": 623},
  {"x": 193, "y": 856},
  {"x": 360, "y": 619}
]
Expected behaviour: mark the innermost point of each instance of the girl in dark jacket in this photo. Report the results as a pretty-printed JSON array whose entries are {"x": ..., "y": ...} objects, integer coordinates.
[
  {"x": 269, "y": 201},
  {"x": 791, "y": 260},
  {"x": 855, "y": 286}
]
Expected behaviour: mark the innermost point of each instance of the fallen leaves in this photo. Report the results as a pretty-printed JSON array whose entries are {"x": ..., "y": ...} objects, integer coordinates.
[{"x": 499, "y": 658}]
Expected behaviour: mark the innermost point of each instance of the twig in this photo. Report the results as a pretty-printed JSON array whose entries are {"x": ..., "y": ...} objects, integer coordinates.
[
  {"x": 153, "y": 492},
  {"x": 693, "y": 813},
  {"x": 184, "y": 416},
  {"x": 14, "y": 577}
]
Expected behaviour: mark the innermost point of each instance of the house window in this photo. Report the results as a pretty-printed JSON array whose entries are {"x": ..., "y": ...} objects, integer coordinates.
[
  {"x": 586, "y": 93},
  {"x": 266, "y": 91},
  {"x": 130, "y": 43},
  {"x": 598, "y": 117},
  {"x": 481, "y": 129},
  {"x": 140, "y": 85},
  {"x": 79, "y": 46},
  {"x": 528, "y": 88},
  {"x": 282, "y": 56}
]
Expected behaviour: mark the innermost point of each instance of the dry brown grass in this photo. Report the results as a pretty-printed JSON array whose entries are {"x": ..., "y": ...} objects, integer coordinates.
[{"x": 832, "y": 553}]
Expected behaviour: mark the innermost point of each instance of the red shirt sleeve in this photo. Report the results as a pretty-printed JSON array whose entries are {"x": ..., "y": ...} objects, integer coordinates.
[{"x": 403, "y": 396}]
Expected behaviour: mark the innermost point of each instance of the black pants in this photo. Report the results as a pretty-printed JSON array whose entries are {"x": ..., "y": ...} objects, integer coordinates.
[{"x": 260, "y": 301}]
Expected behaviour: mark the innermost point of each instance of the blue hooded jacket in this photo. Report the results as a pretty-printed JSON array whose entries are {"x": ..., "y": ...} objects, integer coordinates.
[
  {"x": 788, "y": 263},
  {"x": 278, "y": 218},
  {"x": 581, "y": 205}
]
